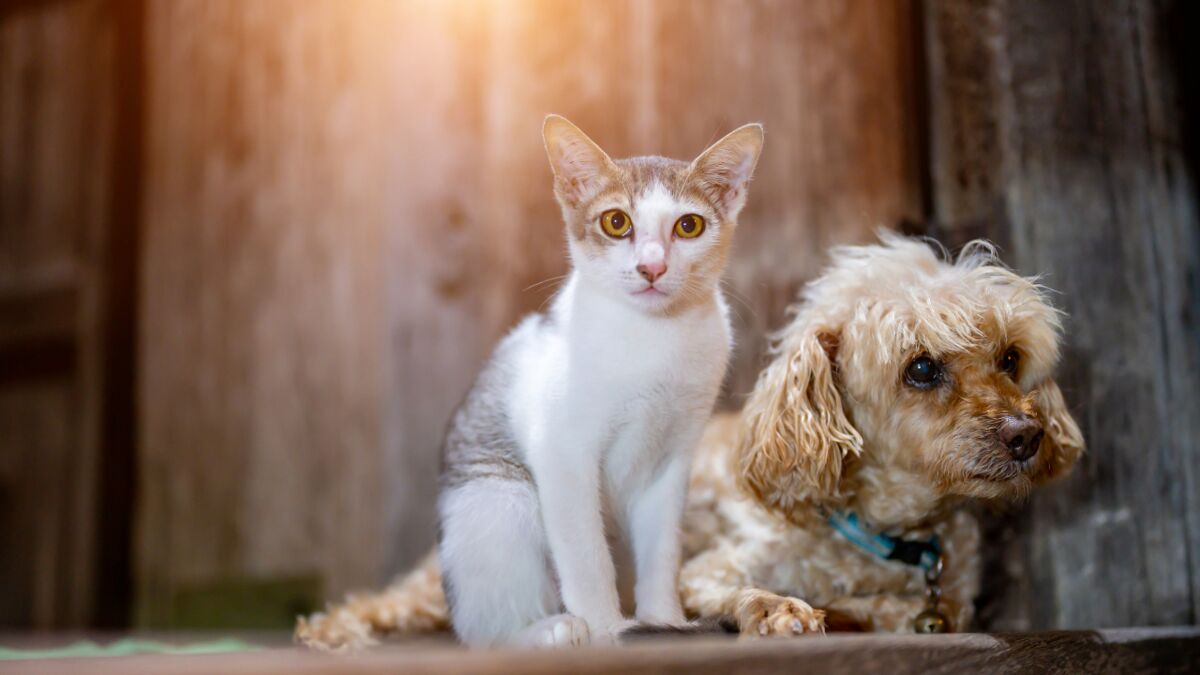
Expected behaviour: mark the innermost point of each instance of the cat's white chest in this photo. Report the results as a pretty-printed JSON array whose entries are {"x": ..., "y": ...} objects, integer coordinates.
[
  {"x": 641, "y": 366},
  {"x": 616, "y": 382},
  {"x": 654, "y": 382}
]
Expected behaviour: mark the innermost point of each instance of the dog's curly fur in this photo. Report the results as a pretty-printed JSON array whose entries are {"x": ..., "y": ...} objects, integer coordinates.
[{"x": 832, "y": 424}]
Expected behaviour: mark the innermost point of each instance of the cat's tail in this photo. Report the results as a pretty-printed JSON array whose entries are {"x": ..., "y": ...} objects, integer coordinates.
[
  {"x": 721, "y": 625},
  {"x": 414, "y": 603}
]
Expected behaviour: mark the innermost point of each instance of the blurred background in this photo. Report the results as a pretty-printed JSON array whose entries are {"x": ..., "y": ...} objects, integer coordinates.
[{"x": 252, "y": 253}]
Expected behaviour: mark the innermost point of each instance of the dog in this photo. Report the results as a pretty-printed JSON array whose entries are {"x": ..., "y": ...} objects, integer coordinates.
[{"x": 906, "y": 386}]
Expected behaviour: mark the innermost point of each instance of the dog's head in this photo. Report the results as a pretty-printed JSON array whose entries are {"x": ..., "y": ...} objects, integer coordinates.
[{"x": 909, "y": 379}]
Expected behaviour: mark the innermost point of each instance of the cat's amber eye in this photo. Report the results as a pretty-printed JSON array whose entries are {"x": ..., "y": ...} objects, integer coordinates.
[
  {"x": 616, "y": 223},
  {"x": 689, "y": 226}
]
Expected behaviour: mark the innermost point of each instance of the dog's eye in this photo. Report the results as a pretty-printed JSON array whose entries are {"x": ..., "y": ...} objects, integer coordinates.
[
  {"x": 1011, "y": 362},
  {"x": 923, "y": 373}
]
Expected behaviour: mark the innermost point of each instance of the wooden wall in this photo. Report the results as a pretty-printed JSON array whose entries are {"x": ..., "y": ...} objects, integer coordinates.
[
  {"x": 265, "y": 322},
  {"x": 345, "y": 209},
  {"x": 65, "y": 303},
  {"x": 1061, "y": 130},
  {"x": 339, "y": 207}
]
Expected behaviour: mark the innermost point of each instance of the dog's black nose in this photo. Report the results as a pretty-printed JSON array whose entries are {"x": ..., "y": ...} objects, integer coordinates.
[{"x": 1021, "y": 435}]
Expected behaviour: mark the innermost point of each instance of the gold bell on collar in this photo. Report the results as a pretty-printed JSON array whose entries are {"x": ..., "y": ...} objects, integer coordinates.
[{"x": 931, "y": 621}]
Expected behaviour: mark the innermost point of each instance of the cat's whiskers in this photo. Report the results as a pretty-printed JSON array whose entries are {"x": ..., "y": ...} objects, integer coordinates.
[
  {"x": 729, "y": 290},
  {"x": 543, "y": 282},
  {"x": 690, "y": 291}
]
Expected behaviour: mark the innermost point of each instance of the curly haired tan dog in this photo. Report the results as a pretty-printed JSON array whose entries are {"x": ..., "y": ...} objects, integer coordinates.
[{"x": 904, "y": 387}]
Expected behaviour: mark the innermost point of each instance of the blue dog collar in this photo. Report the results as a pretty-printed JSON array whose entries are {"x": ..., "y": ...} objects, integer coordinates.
[{"x": 915, "y": 552}]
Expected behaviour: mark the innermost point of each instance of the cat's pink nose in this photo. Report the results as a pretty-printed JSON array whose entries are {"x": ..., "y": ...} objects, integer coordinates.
[{"x": 652, "y": 271}]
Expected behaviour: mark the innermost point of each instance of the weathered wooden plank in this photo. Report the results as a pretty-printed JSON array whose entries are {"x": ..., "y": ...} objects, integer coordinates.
[
  {"x": 56, "y": 119},
  {"x": 1061, "y": 131},
  {"x": 268, "y": 173},
  {"x": 1125, "y": 651},
  {"x": 36, "y": 525}
]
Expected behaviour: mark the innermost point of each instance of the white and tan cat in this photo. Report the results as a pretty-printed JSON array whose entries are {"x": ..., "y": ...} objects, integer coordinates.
[{"x": 575, "y": 443}]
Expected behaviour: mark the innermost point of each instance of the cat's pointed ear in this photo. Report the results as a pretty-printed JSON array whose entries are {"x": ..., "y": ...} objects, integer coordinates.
[
  {"x": 580, "y": 167},
  {"x": 723, "y": 170}
]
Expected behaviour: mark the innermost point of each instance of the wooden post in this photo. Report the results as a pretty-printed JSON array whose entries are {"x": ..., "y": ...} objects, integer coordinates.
[
  {"x": 1059, "y": 129},
  {"x": 68, "y": 217}
]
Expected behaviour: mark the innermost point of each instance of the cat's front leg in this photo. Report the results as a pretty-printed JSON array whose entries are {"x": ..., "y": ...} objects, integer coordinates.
[
  {"x": 569, "y": 490},
  {"x": 656, "y": 515}
]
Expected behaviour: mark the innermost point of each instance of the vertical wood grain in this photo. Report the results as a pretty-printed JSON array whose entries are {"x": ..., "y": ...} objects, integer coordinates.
[
  {"x": 56, "y": 131},
  {"x": 1060, "y": 132},
  {"x": 264, "y": 322}
]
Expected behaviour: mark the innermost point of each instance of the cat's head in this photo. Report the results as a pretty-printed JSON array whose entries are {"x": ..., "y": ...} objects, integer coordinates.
[{"x": 652, "y": 231}]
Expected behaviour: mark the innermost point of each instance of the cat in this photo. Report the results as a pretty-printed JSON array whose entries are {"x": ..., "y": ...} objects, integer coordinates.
[{"x": 578, "y": 432}]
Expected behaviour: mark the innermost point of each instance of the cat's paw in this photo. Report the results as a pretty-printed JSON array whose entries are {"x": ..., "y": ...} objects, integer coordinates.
[
  {"x": 671, "y": 616},
  {"x": 560, "y": 630},
  {"x": 763, "y": 614}
]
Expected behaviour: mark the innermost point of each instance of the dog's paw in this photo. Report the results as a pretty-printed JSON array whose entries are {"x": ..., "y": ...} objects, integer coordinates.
[
  {"x": 792, "y": 617},
  {"x": 766, "y": 615},
  {"x": 339, "y": 632}
]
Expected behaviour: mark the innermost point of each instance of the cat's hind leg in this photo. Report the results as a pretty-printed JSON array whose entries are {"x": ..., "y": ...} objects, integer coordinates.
[{"x": 495, "y": 562}]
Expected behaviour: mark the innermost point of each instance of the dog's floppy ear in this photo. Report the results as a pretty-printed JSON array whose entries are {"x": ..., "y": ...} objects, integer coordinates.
[
  {"x": 1065, "y": 441},
  {"x": 795, "y": 435}
]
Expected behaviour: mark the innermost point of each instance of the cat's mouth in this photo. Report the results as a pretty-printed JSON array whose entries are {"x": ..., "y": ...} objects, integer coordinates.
[{"x": 649, "y": 292}]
